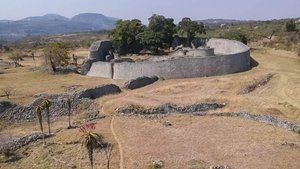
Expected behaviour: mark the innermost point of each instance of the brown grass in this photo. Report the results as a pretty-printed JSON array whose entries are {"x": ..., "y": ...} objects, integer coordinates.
[{"x": 213, "y": 140}]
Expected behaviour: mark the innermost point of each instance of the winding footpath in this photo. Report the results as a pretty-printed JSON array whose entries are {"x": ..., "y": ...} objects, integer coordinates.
[
  {"x": 116, "y": 138},
  {"x": 118, "y": 142}
]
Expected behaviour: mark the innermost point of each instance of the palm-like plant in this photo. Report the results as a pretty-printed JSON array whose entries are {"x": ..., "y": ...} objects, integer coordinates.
[
  {"x": 69, "y": 104},
  {"x": 46, "y": 105},
  {"x": 90, "y": 140},
  {"x": 38, "y": 111}
]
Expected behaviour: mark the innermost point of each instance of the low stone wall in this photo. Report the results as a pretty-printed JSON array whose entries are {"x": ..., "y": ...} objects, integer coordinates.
[
  {"x": 236, "y": 58},
  {"x": 101, "y": 68}
]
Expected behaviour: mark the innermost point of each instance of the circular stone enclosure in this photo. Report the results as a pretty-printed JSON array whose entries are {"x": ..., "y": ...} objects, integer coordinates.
[{"x": 233, "y": 56}]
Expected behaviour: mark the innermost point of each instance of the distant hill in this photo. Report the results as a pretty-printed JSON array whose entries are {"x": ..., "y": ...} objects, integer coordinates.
[{"x": 54, "y": 24}]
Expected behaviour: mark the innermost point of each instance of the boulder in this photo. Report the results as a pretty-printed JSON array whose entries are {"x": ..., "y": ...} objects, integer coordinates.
[
  {"x": 98, "y": 91},
  {"x": 4, "y": 105},
  {"x": 140, "y": 82},
  {"x": 86, "y": 66}
]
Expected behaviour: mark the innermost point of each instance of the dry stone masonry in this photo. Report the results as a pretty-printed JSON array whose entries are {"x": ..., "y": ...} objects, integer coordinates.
[{"x": 232, "y": 56}]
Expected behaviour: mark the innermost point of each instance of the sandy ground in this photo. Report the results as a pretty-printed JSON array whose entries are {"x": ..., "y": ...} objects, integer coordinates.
[{"x": 205, "y": 141}]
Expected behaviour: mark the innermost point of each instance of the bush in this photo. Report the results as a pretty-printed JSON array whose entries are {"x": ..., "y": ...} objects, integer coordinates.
[
  {"x": 56, "y": 54},
  {"x": 290, "y": 26},
  {"x": 236, "y": 35},
  {"x": 16, "y": 57}
]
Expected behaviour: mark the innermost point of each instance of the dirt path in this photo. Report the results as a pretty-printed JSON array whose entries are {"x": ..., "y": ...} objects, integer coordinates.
[{"x": 118, "y": 142}]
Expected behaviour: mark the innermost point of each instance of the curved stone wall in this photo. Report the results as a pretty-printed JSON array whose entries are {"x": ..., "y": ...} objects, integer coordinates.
[{"x": 236, "y": 58}]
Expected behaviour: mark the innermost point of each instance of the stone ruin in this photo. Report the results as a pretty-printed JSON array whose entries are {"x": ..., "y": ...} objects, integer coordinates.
[
  {"x": 181, "y": 62},
  {"x": 100, "y": 50}
]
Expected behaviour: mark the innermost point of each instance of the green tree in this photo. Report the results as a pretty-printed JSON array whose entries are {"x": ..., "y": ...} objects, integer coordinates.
[
  {"x": 164, "y": 26},
  {"x": 290, "y": 26},
  {"x": 190, "y": 29},
  {"x": 124, "y": 35},
  {"x": 56, "y": 54},
  {"x": 158, "y": 35},
  {"x": 151, "y": 40}
]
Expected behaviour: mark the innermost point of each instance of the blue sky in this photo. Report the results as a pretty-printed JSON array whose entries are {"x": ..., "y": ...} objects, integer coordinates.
[{"x": 142, "y": 9}]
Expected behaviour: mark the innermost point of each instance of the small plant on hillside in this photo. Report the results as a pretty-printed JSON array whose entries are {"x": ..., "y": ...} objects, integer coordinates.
[
  {"x": 7, "y": 91},
  {"x": 16, "y": 57},
  {"x": 108, "y": 152},
  {"x": 69, "y": 106},
  {"x": 90, "y": 140},
  {"x": 38, "y": 111},
  {"x": 156, "y": 165},
  {"x": 46, "y": 105}
]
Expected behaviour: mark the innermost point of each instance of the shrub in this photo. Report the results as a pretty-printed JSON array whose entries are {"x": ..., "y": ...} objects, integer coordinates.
[
  {"x": 236, "y": 35},
  {"x": 290, "y": 26},
  {"x": 56, "y": 54},
  {"x": 16, "y": 57},
  {"x": 7, "y": 91}
]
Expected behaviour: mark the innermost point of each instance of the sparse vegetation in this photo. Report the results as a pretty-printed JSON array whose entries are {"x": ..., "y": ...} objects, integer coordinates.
[
  {"x": 46, "y": 106},
  {"x": 7, "y": 91},
  {"x": 90, "y": 140},
  {"x": 16, "y": 57},
  {"x": 38, "y": 111},
  {"x": 156, "y": 165},
  {"x": 69, "y": 105}
]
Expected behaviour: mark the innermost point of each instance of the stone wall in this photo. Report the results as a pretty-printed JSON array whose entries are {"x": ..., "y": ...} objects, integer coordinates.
[
  {"x": 101, "y": 68},
  {"x": 227, "y": 47},
  {"x": 236, "y": 58}
]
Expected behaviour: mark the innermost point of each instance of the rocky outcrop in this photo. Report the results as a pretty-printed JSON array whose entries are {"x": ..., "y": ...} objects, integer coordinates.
[
  {"x": 21, "y": 113},
  {"x": 21, "y": 142},
  {"x": 98, "y": 91},
  {"x": 81, "y": 101},
  {"x": 140, "y": 82},
  {"x": 86, "y": 66},
  {"x": 263, "y": 118},
  {"x": 261, "y": 81},
  {"x": 4, "y": 105},
  {"x": 168, "y": 108}
]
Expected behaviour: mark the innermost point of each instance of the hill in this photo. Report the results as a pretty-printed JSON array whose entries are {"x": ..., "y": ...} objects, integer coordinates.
[{"x": 54, "y": 24}]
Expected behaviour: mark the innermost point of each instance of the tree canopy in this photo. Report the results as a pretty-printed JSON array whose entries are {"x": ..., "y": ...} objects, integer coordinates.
[
  {"x": 131, "y": 36},
  {"x": 159, "y": 34},
  {"x": 124, "y": 35},
  {"x": 190, "y": 28}
]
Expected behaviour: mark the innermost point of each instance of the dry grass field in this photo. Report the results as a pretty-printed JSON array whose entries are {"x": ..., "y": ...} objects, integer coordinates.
[{"x": 192, "y": 142}]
